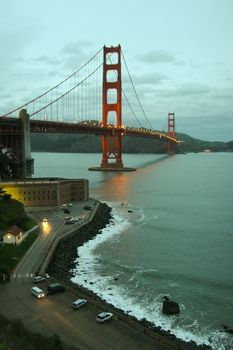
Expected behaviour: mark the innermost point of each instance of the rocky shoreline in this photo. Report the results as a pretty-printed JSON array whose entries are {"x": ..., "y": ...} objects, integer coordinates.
[{"x": 63, "y": 262}]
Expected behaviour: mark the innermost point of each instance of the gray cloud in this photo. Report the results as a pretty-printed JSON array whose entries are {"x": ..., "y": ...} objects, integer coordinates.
[
  {"x": 13, "y": 42},
  {"x": 43, "y": 59},
  {"x": 157, "y": 56},
  {"x": 150, "y": 78},
  {"x": 75, "y": 48},
  {"x": 186, "y": 90},
  {"x": 226, "y": 94},
  {"x": 76, "y": 53},
  {"x": 6, "y": 95}
]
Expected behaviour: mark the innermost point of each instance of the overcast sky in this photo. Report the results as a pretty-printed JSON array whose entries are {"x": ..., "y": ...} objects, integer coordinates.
[{"x": 179, "y": 53}]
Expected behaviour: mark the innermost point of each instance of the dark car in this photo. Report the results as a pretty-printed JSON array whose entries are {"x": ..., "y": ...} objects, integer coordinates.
[
  {"x": 87, "y": 207},
  {"x": 66, "y": 211},
  {"x": 55, "y": 288}
]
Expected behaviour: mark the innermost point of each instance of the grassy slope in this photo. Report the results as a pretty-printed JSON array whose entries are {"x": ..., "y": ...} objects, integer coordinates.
[
  {"x": 12, "y": 213},
  {"x": 10, "y": 254}
]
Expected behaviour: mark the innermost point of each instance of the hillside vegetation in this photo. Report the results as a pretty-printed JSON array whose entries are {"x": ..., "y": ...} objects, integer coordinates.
[
  {"x": 92, "y": 144},
  {"x": 12, "y": 213},
  {"x": 14, "y": 336}
]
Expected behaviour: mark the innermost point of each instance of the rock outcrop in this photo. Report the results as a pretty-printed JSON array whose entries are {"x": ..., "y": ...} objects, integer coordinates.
[{"x": 170, "y": 307}]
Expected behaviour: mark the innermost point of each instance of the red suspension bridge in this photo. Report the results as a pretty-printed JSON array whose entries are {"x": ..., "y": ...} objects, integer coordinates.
[{"x": 92, "y": 101}]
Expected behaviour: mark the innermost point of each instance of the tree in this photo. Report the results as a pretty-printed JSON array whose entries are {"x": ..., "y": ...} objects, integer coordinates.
[
  {"x": 2, "y": 192},
  {"x": 4, "y": 195},
  {"x": 4, "y": 273},
  {"x": 7, "y": 196}
]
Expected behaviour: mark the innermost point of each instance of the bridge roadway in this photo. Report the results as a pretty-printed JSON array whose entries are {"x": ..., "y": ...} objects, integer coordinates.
[
  {"x": 13, "y": 126},
  {"x": 53, "y": 314}
]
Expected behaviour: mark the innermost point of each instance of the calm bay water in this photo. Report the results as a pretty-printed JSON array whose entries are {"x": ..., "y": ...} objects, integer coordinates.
[{"x": 177, "y": 239}]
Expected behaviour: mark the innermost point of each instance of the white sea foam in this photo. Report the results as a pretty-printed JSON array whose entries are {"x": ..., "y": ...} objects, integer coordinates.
[{"x": 106, "y": 288}]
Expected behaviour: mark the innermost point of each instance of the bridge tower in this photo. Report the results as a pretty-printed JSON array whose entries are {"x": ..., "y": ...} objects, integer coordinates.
[
  {"x": 171, "y": 133},
  {"x": 26, "y": 158},
  {"x": 111, "y": 145},
  {"x": 15, "y": 139}
]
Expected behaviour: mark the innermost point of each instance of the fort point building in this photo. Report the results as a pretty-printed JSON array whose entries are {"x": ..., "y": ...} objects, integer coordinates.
[{"x": 47, "y": 191}]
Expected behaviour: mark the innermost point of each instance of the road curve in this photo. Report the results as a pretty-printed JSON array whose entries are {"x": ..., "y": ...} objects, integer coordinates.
[{"x": 54, "y": 314}]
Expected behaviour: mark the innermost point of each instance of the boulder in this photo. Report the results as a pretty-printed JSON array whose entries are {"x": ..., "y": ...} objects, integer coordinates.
[
  {"x": 227, "y": 329},
  {"x": 170, "y": 307}
]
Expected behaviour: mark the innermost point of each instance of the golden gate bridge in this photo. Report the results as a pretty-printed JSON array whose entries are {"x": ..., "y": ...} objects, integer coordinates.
[{"x": 91, "y": 101}]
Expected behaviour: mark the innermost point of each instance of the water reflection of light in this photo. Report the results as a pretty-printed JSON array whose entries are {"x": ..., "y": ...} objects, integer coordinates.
[
  {"x": 46, "y": 228},
  {"x": 120, "y": 184}
]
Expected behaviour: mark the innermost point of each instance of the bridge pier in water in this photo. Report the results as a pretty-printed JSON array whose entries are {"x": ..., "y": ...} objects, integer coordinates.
[{"x": 112, "y": 144}]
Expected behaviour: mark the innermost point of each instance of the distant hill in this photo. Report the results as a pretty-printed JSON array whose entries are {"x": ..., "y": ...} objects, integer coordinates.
[
  {"x": 92, "y": 144},
  {"x": 191, "y": 144}
]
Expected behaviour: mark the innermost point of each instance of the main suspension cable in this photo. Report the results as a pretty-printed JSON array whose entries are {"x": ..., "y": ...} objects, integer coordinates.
[
  {"x": 54, "y": 87},
  {"x": 127, "y": 100},
  {"x": 143, "y": 111},
  {"x": 67, "y": 92}
]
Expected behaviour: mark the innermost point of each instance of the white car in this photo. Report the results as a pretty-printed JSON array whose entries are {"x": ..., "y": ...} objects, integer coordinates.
[
  {"x": 104, "y": 316},
  {"x": 79, "y": 303},
  {"x": 37, "y": 292},
  {"x": 38, "y": 279},
  {"x": 45, "y": 220},
  {"x": 74, "y": 219}
]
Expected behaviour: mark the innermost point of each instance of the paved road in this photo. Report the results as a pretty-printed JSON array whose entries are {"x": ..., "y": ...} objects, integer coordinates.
[{"x": 53, "y": 314}]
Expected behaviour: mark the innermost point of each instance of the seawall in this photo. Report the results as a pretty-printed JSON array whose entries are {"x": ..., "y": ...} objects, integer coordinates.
[{"x": 62, "y": 262}]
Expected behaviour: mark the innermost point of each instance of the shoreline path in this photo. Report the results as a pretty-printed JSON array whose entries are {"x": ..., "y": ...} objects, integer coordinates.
[{"x": 54, "y": 314}]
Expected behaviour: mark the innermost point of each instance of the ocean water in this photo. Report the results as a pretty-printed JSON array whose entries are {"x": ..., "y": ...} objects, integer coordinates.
[{"x": 171, "y": 234}]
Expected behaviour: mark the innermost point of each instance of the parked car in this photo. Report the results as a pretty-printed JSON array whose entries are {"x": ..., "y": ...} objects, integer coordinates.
[
  {"x": 66, "y": 211},
  {"x": 55, "y": 288},
  {"x": 79, "y": 303},
  {"x": 74, "y": 219},
  {"x": 45, "y": 220},
  {"x": 104, "y": 316},
  {"x": 87, "y": 207},
  {"x": 38, "y": 279},
  {"x": 68, "y": 222},
  {"x": 70, "y": 204}
]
